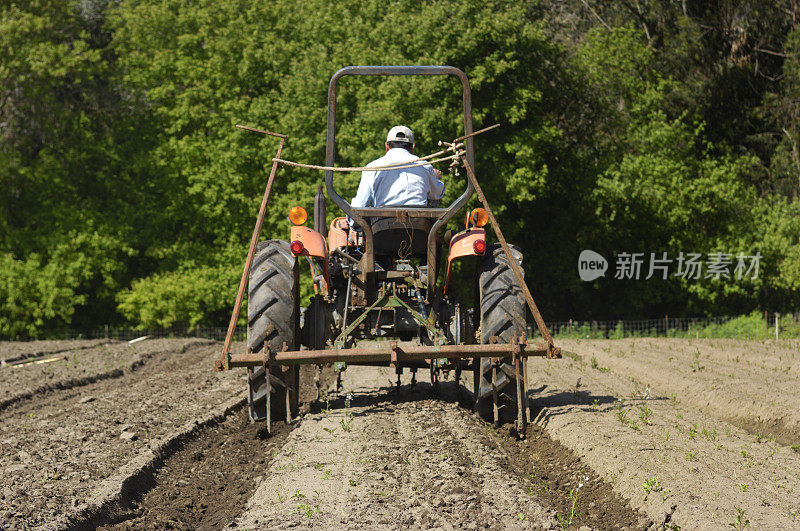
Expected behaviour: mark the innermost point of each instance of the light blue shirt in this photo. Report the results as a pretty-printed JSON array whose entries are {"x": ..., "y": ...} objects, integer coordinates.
[{"x": 402, "y": 187}]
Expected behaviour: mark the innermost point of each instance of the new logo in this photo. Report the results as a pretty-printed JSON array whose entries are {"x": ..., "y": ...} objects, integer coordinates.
[{"x": 591, "y": 265}]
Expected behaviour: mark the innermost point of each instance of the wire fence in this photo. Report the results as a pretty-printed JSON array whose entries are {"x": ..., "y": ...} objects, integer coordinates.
[{"x": 754, "y": 326}]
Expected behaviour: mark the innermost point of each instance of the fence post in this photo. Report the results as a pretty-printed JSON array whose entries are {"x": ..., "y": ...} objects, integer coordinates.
[
  {"x": 666, "y": 326},
  {"x": 197, "y": 330},
  {"x": 106, "y": 331},
  {"x": 777, "y": 315}
]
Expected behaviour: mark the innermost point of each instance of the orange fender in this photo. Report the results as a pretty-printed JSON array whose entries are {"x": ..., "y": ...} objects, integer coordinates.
[
  {"x": 313, "y": 246},
  {"x": 337, "y": 235},
  {"x": 461, "y": 244},
  {"x": 313, "y": 242}
]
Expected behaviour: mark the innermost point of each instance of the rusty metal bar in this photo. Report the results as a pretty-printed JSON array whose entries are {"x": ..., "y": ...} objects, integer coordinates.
[
  {"x": 224, "y": 360},
  {"x": 511, "y": 260},
  {"x": 262, "y": 131},
  {"x": 477, "y": 376},
  {"x": 526, "y": 387},
  {"x": 479, "y": 131},
  {"x": 289, "y": 375},
  {"x": 518, "y": 384},
  {"x": 384, "y": 354}
]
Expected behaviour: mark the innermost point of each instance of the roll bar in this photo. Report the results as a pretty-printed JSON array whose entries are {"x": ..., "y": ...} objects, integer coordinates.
[{"x": 368, "y": 261}]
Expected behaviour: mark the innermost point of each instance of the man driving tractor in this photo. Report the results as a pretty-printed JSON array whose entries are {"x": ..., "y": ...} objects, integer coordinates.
[
  {"x": 408, "y": 187},
  {"x": 402, "y": 187}
]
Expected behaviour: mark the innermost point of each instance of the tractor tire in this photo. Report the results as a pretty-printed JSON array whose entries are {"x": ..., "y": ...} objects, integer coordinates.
[
  {"x": 502, "y": 312},
  {"x": 273, "y": 319}
]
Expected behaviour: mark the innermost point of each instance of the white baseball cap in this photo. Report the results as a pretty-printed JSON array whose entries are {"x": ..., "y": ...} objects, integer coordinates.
[{"x": 400, "y": 133}]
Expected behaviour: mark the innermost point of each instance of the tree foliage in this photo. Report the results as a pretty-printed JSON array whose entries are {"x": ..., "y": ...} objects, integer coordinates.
[{"x": 650, "y": 126}]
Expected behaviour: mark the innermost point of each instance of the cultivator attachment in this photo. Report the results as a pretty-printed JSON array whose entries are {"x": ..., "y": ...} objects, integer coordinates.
[
  {"x": 399, "y": 302},
  {"x": 393, "y": 353}
]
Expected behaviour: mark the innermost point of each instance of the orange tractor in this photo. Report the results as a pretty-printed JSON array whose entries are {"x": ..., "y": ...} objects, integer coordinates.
[{"x": 381, "y": 297}]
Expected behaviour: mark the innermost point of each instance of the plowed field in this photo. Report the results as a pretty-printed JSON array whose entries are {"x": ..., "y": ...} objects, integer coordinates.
[{"x": 637, "y": 434}]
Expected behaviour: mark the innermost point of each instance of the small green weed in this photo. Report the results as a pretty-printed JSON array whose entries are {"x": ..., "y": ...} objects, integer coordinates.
[
  {"x": 622, "y": 414},
  {"x": 651, "y": 485},
  {"x": 566, "y": 521},
  {"x": 645, "y": 413},
  {"x": 348, "y": 416},
  {"x": 741, "y": 521},
  {"x": 307, "y": 510}
]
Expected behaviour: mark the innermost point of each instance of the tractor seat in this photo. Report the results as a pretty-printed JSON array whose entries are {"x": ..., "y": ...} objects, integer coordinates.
[{"x": 401, "y": 238}]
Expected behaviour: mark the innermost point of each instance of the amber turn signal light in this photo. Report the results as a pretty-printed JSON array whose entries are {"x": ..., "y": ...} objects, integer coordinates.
[
  {"x": 479, "y": 217},
  {"x": 297, "y": 247},
  {"x": 479, "y": 246},
  {"x": 298, "y": 215}
]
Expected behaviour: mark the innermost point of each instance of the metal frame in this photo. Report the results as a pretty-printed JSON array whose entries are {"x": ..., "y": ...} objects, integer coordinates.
[
  {"x": 224, "y": 359},
  {"x": 357, "y": 214}
]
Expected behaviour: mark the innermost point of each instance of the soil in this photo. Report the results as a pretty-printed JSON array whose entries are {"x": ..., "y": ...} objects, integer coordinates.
[
  {"x": 388, "y": 459},
  {"x": 557, "y": 476},
  {"x": 15, "y": 351},
  {"x": 208, "y": 480},
  {"x": 633, "y": 434},
  {"x": 717, "y": 376},
  {"x": 663, "y": 437},
  {"x": 39, "y": 368},
  {"x": 58, "y": 446}
]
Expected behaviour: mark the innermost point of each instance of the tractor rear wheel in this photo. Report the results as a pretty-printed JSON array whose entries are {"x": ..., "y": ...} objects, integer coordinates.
[
  {"x": 502, "y": 313},
  {"x": 273, "y": 318}
]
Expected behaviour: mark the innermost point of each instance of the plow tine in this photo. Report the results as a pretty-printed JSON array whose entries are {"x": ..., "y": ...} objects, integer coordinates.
[
  {"x": 269, "y": 392},
  {"x": 476, "y": 382},
  {"x": 527, "y": 402},
  {"x": 495, "y": 407},
  {"x": 518, "y": 382},
  {"x": 288, "y": 399}
]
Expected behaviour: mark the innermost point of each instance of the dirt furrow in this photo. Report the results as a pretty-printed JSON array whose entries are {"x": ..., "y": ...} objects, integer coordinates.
[
  {"x": 206, "y": 482},
  {"x": 680, "y": 465},
  {"x": 58, "y": 448},
  {"x": 383, "y": 459},
  {"x": 717, "y": 376},
  {"x": 81, "y": 366},
  {"x": 13, "y": 351}
]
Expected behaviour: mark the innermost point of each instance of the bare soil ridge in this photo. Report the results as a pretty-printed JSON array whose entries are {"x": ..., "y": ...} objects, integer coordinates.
[
  {"x": 59, "y": 448},
  {"x": 640, "y": 420},
  {"x": 376, "y": 458}
]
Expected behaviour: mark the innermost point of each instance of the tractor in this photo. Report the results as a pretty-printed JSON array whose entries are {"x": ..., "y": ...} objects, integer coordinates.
[{"x": 384, "y": 292}]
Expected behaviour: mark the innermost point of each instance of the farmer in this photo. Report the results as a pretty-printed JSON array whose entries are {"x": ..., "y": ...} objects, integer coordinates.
[{"x": 403, "y": 187}]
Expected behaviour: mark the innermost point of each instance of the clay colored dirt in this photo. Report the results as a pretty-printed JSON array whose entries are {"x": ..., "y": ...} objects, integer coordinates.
[
  {"x": 382, "y": 458},
  {"x": 665, "y": 421},
  {"x": 57, "y": 446},
  {"x": 633, "y": 434}
]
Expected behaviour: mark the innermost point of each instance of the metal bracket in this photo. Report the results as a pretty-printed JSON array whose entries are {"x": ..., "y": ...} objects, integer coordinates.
[
  {"x": 342, "y": 339},
  {"x": 438, "y": 337}
]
